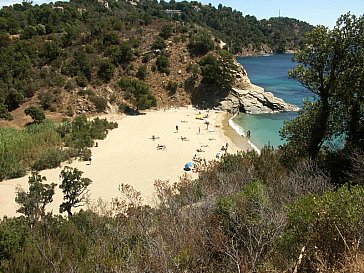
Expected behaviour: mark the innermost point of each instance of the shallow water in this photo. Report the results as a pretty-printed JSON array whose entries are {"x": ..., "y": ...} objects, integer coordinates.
[{"x": 271, "y": 73}]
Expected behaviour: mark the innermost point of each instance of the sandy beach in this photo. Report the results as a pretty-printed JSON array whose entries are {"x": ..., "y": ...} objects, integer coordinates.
[{"x": 130, "y": 155}]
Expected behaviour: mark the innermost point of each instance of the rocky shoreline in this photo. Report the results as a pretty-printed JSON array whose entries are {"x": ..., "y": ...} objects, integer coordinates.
[{"x": 248, "y": 98}]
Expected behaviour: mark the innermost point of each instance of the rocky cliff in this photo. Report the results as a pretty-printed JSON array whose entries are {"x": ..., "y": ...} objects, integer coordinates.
[{"x": 252, "y": 99}]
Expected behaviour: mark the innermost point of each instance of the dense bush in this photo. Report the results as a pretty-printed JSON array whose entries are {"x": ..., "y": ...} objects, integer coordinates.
[
  {"x": 162, "y": 64},
  {"x": 38, "y": 145},
  {"x": 82, "y": 80},
  {"x": 159, "y": 43},
  {"x": 125, "y": 53},
  {"x": 201, "y": 43},
  {"x": 326, "y": 225},
  {"x": 139, "y": 91},
  {"x": 172, "y": 87},
  {"x": 21, "y": 148},
  {"x": 84, "y": 92},
  {"x": 106, "y": 71},
  {"x": 51, "y": 158},
  {"x": 47, "y": 99},
  {"x": 166, "y": 31},
  {"x": 142, "y": 72},
  {"x": 124, "y": 108},
  {"x": 4, "y": 113},
  {"x": 216, "y": 71},
  {"x": 36, "y": 113},
  {"x": 99, "y": 102}
]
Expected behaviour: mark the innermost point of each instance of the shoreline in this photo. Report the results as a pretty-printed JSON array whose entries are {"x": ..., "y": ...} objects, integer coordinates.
[
  {"x": 129, "y": 155},
  {"x": 237, "y": 133},
  {"x": 263, "y": 54}
]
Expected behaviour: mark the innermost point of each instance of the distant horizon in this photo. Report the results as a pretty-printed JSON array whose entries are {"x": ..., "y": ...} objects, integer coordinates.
[{"x": 314, "y": 12}]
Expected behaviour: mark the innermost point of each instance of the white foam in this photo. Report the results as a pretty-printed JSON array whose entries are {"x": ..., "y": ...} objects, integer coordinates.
[{"x": 240, "y": 131}]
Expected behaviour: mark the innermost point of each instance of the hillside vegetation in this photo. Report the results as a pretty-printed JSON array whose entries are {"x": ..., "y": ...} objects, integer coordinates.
[{"x": 69, "y": 57}]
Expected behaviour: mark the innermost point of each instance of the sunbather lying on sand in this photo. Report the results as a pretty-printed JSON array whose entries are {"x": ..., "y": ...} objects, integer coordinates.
[{"x": 161, "y": 147}]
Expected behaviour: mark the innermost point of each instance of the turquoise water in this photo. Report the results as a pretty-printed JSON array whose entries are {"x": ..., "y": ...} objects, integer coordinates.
[{"x": 270, "y": 72}]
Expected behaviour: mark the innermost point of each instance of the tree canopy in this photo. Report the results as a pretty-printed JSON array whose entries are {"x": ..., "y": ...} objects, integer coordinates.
[
  {"x": 33, "y": 203},
  {"x": 74, "y": 188},
  {"x": 331, "y": 67}
]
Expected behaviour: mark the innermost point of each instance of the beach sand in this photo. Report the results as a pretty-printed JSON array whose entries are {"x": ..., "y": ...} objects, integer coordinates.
[{"x": 129, "y": 155}]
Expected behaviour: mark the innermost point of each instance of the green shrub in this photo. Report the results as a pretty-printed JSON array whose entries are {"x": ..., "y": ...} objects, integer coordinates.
[
  {"x": 162, "y": 64},
  {"x": 139, "y": 91},
  {"x": 36, "y": 113},
  {"x": 70, "y": 85},
  {"x": 12, "y": 167},
  {"x": 14, "y": 236},
  {"x": 113, "y": 98},
  {"x": 146, "y": 58},
  {"x": 135, "y": 42},
  {"x": 4, "y": 113},
  {"x": 51, "y": 158},
  {"x": 81, "y": 80},
  {"x": 246, "y": 216},
  {"x": 201, "y": 43},
  {"x": 106, "y": 70},
  {"x": 159, "y": 43},
  {"x": 81, "y": 133},
  {"x": 47, "y": 99},
  {"x": 125, "y": 53},
  {"x": 166, "y": 31},
  {"x": 142, "y": 72},
  {"x": 85, "y": 154},
  {"x": 84, "y": 92},
  {"x": 183, "y": 29},
  {"x": 172, "y": 87},
  {"x": 99, "y": 102},
  {"x": 124, "y": 108},
  {"x": 325, "y": 224},
  {"x": 20, "y": 148},
  {"x": 58, "y": 80}
]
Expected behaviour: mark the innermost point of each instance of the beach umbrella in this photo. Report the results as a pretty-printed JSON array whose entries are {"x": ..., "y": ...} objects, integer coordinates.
[{"x": 188, "y": 165}]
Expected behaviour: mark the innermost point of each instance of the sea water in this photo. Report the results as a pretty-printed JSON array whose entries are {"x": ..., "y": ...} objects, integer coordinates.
[{"x": 271, "y": 73}]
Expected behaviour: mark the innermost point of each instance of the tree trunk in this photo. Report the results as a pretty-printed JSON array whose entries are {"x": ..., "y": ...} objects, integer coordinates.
[
  {"x": 353, "y": 138},
  {"x": 320, "y": 129},
  {"x": 69, "y": 213}
]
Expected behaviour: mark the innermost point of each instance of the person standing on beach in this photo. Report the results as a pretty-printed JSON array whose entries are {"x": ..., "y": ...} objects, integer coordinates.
[
  {"x": 177, "y": 128},
  {"x": 248, "y": 134}
]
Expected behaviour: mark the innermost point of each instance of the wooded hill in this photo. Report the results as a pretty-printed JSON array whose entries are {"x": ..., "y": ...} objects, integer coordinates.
[{"x": 69, "y": 57}]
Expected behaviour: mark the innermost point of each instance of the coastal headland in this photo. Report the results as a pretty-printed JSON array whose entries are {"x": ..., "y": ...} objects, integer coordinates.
[{"x": 131, "y": 155}]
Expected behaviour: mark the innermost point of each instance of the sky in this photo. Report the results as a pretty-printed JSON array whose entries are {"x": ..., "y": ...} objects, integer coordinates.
[{"x": 315, "y": 12}]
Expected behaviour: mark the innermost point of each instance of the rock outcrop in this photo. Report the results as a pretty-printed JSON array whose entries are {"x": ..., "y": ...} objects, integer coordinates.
[{"x": 252, "y": 99}]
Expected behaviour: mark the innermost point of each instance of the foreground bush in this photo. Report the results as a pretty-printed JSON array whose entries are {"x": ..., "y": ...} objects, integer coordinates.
[
  {"x": 327, "y": 226},
  {"x": 245, "y": 213}
]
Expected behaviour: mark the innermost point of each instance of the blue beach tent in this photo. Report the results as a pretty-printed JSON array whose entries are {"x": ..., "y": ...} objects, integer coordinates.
[{"x": 188, "y": 166}]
